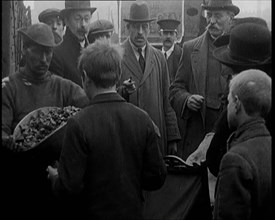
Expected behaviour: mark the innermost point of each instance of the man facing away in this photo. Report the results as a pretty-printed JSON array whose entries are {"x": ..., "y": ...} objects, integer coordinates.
[
  {"x": 77, "y": 16},
  {"x": 244, "y": 181},
  {"x": 111, "y": 149}
]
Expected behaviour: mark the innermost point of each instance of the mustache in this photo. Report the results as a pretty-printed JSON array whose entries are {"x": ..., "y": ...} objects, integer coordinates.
[
  {"x": 210, "y": 26},
  {"x": 168, "y": 40}
]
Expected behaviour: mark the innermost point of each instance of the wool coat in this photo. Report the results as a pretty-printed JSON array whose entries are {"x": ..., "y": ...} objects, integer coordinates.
[
  {"x": 244, "y": 189},
  {"x": 192, "y": 78},
  {"x": 152, "y": 90},
  {"x": 65, "y": 58},
  {"x": 111, "y": 151},
  {"x": 173, "y": 62}
]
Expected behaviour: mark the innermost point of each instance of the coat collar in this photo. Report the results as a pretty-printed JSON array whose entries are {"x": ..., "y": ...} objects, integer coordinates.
[
  {"x": 132, "y": 64},
  {"x": 107, "y": 97},
  {"x": 250, "y": 129}
]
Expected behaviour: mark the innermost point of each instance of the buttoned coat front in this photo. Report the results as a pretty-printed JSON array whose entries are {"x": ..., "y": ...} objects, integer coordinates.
[
  {"x": 152, "y": 90},
  {"x": 191, "y": 79}
]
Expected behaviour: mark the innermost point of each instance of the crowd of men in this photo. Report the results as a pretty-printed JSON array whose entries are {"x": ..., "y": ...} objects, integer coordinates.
[{"x": 206, "y": 101}]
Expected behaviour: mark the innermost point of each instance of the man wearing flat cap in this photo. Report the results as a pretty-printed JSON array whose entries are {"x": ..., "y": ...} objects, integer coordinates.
[
  {"x": 99, "y": 29},
  {"x": 31, "y": 88},
  {"x": 145, "y": 66},
  {"x": 77, "y": 16},
  {"x": 172, "y": 52},
  {"x": 51, "y": 17}
]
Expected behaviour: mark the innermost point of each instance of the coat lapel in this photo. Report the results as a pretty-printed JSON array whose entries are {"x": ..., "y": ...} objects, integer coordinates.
[
  {"x": 150, "y": 63},
  {"x": 199, "y": 63},
  {"x": 130, "y": 60}
]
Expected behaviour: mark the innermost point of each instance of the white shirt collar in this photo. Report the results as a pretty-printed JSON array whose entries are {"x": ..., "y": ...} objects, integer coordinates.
[
  {"x": 135, "y": 49},
  {"x": 168, "y": 52}
]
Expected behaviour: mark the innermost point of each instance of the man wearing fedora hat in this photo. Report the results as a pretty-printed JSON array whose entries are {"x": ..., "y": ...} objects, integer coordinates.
[
  {"x": 77, "y": 16},
  {"x": 51, "y": 17},
  {"x": 99, "y": 29},
  {"x": 199, "y": 83},
  {"x": 172, "y": 51},
  {"x": 146, "y": 66},
  {"x": 31, "y": 88}
]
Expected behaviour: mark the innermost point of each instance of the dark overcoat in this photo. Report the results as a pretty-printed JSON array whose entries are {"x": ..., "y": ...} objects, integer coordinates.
[
  {"x": 65, "y": 58},
  {"x": 244, "y": 187},
  {"x": 191, "y": 78},
  {"x": 152, "y": 90},
  {"x": 111, "y": 151},
  {"x": 173, "y": 62}
]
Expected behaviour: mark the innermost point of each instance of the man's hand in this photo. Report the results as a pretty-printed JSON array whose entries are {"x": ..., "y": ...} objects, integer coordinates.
[
  {"x": 172, "y": 148},
  {"x": 129, "y": 85},
  {"x": 195, "y": 102},
  {"x": 9, "y": 143},
  {"x": 199, "y": 155}
]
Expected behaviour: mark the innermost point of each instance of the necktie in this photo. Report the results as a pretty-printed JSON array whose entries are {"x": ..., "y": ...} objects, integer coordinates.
[
  {"x": 141, "y": 60},
  {"x": 165, "y": 54}
]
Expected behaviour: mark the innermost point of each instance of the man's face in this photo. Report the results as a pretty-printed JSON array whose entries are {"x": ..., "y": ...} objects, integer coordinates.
[
  {"x": 168, "y": 38},
  {"x": 231, "y": 111},
  {"x": 139, "y": 33},
  {"x": 218, "y": 22},
  {"x": 56, "y": 25},
  {"x": 78, "y": 21},
  {"x": 38, "y": 59}
]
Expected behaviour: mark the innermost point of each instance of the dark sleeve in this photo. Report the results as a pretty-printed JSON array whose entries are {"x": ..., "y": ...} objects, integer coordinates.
[
  {"x": 73, "y": 160},
  {"x": 56, "y": 65},
  {"x": 233, "y": 191},
  {"x": 218, "y": 144},
  {"x": 154, "y": 169}
]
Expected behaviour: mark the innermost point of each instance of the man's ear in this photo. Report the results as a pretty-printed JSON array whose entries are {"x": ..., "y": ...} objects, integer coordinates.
[{"x": 238, "y": 104}]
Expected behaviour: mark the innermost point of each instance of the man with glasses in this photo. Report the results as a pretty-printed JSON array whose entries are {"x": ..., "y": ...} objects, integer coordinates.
[
  {"x": 172, "y": 52},
  {"x": 77, "y": 16}
]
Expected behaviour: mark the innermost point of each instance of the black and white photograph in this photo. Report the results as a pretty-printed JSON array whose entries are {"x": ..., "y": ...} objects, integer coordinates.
[{"x": 137, "y": 110}]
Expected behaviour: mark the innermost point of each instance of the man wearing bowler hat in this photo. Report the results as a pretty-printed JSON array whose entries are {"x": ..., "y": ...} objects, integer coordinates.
[
  {"x": 172, "y": 51},
  {"x": 77, "y": 16},
  {"x": 51, "y": 17},
  {"x": 145, "y": 66},
  {"x": 31, "y": 88}
]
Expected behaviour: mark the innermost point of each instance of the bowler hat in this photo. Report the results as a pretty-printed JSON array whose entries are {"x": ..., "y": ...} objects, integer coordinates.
[
  {"x": 139, "y": 12},
  {"x": 76, "y": 5},
  {"x": 221, "y": 5},
  {"x": 249, "y": 46},
  {"x": 39, "y": 33},
  {"x": 101, "y": 26},
  {"x": 168, "y": 24},
  {"x": 224, "y": 39},
  {"x": 50, "y": 12}
]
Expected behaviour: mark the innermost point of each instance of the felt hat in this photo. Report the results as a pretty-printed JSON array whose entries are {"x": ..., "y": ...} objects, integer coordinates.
[
  {"x": 101, "y": 26},
  {"x": 249, "y": 46},
  {"x": 221, "y": 5},
  {"x": 76, "y": 5},
  {"x": 139, "y": 12},
  {"x": 168, "y": 24},
  {"x": 39, "y": 33},
  {"x": 50, "y": 12}
]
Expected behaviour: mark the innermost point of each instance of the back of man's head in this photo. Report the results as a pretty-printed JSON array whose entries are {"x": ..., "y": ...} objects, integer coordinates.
[
  {"x": 253, "y": 88},
  {"x": 102, "y": 63}
]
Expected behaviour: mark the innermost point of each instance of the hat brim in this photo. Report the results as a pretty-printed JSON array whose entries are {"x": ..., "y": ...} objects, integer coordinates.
[
  {"x": 23, "y": 33},
  {"x": 222, "y": 55},
  {"x": 232, "y": 8},
  {"x": 44, "y": 17},
  {"x": 64, "y": 12},
  {"x": 138, "y": 20},
  {"x": 101, "y": 31}
]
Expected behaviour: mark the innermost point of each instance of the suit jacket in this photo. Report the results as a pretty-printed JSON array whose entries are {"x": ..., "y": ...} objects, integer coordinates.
[
  {"x": 152, "y": 90},
  {"x": 173, "y": 62},
  {"x": 110, "y": 153},
  {"x": 191, "y": 79},
  {"x": 244, "y": 188},
  {"x": 65, "y": 58}
]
